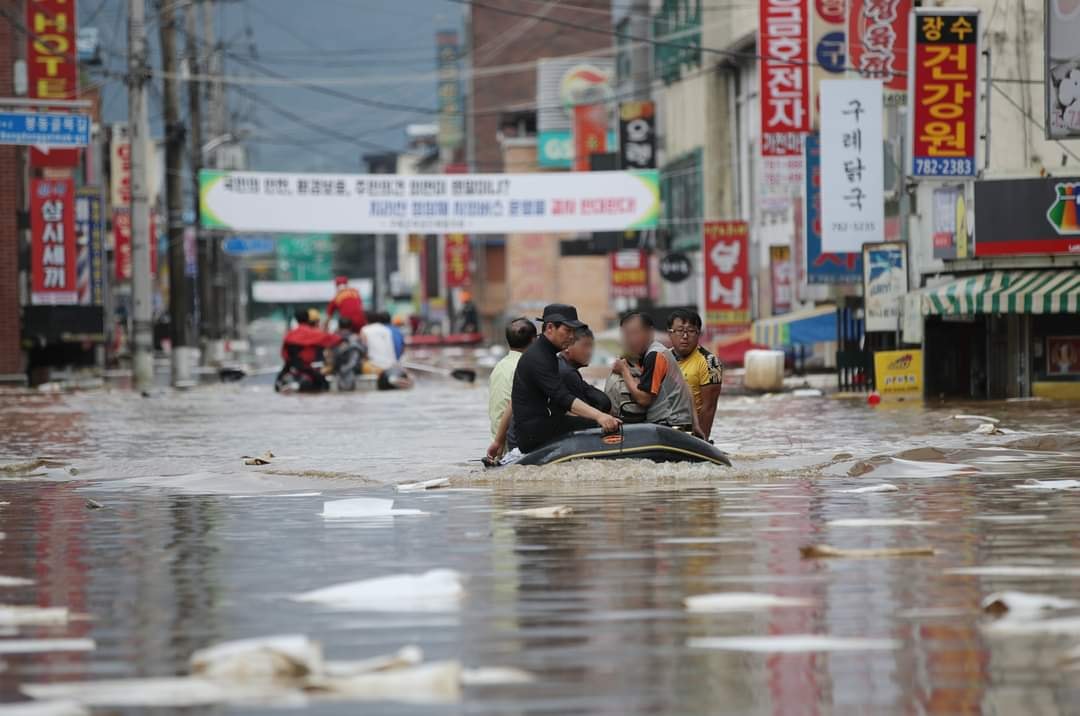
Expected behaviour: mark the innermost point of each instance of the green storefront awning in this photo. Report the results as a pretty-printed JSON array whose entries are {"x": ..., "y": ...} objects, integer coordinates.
[{"x": 1056, "y": 291}]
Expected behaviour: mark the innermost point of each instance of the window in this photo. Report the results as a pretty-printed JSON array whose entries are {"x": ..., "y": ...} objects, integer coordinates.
[
  {"x": 677, "y": 22},
  {"x": 682, "y": 193}
]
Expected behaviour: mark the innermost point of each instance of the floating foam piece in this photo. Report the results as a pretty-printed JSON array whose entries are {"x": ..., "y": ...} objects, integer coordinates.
[
  {"x": 1049, "y": 485},
  {"x": 44, "y": 708},
  {"x": 289, "y": 656},
  {"x": 869, "y": 489},
  {"x": 32, "y": 616},
  {"x": 1011, "y": 570},
  {"x": 1024, "y": 605},
  {"x": 982, "y": 418},
  {"x": 792, "y": 643},
  {"x": 14, "y": 581},
  {"x": 406, "y": 656},
  {"x": 495, "y": 676},
  {"x": 739, "y": 602},
  {"x": 1064, "y": 626},
  {"x": 878, "y": 522},
  {"x": 289, "y": 494},
  {"x": 363, "y": 507},
  {"x": 437, "y": 682},
  {"x": 544, "y": 512},
  {"x": 155, "y": 692},
  {"x": 439, "y": 590},
  {"x": 1010, "y": 518},
  {"x": 44, "y": 646},
  {"x": 424, "y": 485}
]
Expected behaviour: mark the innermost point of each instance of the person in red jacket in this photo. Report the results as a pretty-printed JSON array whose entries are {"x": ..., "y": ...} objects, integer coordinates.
[
  {"x": 303, "y": 346},
  {"x": 348, "y": 304}
]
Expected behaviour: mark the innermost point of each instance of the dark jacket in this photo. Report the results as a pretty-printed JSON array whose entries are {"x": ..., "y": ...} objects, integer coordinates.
[
  {"x": 580, "y": 389},
  {"x": 539, "y": 392}
]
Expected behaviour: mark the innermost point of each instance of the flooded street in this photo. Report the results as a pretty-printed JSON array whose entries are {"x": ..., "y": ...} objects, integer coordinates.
[{"x": 190, "y": 548}]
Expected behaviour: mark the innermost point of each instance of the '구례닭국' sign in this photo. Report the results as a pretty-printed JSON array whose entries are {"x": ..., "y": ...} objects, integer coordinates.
[{"x": 444, "y": 204}]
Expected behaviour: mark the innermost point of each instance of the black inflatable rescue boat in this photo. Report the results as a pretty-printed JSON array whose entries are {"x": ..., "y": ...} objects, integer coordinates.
[{"x": 643, "y": 441}]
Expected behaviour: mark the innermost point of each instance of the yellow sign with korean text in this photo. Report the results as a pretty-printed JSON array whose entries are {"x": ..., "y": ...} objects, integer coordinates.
[{"x": 898, "y": 375}]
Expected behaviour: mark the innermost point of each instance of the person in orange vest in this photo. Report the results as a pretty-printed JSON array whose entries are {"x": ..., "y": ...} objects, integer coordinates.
[{"x": 348, "y": 304}]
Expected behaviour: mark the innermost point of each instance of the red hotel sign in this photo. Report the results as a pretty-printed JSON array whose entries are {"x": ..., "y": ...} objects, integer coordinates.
[
  {"x": 785, "y": 76},
  {"x": 51, "y": 65}
]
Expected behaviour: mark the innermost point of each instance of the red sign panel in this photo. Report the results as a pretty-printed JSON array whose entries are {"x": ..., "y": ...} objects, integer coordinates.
[
  {"x": 630, "y": 274},
  {"x": 785, "y": 76},
  {"x": 590, "y": 133},
  {"x": 727, "y": 276},
  {"x": 51, "y": 65},
  {"x": 122, "y": 243},
  {"x": 943, "y": 92},
  {"x": 457, "y": 256},
  {"x": 53, "y": 245},
  {"x": 782, "y": 272},
  {"x": 878, "y": 41}
]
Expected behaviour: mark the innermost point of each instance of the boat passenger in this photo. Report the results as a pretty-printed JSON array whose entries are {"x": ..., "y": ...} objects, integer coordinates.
[
  {"x": 302, "y": 347},
  {"x": 542, "y": 407},
  {"x": 703, "y": 371},
  {"x": 347, "y": 303},
  {"x": 380, "y": 342},
  {"x": 520, "y": 333},
  {"x": 660, "y": 388},
  {"x": 572, "y": 360}
]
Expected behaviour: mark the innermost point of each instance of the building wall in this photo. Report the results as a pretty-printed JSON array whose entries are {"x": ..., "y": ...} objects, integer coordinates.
[
  {"x": 497, "y": 38},
  {"x": 585, "y": 282},
  {"x": 11, "y": 358}
]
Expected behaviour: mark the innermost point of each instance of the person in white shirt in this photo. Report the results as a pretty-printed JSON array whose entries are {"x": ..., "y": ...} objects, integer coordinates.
[{"x": 380, "y": 342}]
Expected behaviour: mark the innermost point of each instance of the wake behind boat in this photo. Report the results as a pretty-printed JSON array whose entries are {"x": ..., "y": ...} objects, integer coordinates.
[{"x": 644, "y": 441}]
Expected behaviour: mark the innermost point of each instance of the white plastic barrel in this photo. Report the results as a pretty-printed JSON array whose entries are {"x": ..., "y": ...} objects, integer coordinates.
[{"x": 764, "y": 370}]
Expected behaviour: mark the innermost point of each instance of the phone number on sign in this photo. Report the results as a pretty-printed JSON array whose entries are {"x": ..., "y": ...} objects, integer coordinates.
[{"x": 944, "y": 167}]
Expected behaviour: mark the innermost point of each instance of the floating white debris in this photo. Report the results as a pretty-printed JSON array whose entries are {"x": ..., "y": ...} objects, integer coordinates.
[
  {"x": 823, "y": 550},
  {"x": 1023, "y": 605},
  {"x": 740, "y": 602},
  {"x": 878, "y": 522},
  {"x": 1066, "y": 626},
  {"x": 14, "y": 581},
  {"x": 869, "y": 489},
  {"x": 439, "y": 590},
  {"x": 792, "y": 643},
  {"x": 1033, "y": 484},
  {"x": 44, "y": 708},
  {"x": 437, "y": 682},
  {"x": 981, "y": 418},
  {"x": 424, "y": 485},
  {"x": 807, "y": 393},
  {"x": 1010, "y": 518},
  {"x": 44, "y": 646},
  {"x": 702, "y": 540},
  {"x": 495, "y": 676},
  {"x": 288, "y": 494},
  {"x": 289, "y": 656},
  {"x": 155, "y": 692},
  {"x": 364, "y": 507},
  {"x": 1010, "y": 570},
  {"x": 988, "y": 429},
  {"x": 32, "y": 616},
  {"x": 406, "y": 656},
  {"x": 544, "y": 512}
]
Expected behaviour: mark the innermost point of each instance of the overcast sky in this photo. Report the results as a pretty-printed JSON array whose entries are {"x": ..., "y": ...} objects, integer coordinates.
[{"x": 384, "y": 48}]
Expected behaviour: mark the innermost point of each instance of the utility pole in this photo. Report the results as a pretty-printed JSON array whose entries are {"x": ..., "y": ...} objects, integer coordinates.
[
  {"x": 195, "y": 160},
  {"x": 215, "y": 303},
  {"x": 138, "y": 75},
  {"x": 179, "y": 294}
]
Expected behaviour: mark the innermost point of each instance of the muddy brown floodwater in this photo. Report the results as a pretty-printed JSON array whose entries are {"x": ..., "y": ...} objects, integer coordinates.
[{"x": 585, "y": 613}]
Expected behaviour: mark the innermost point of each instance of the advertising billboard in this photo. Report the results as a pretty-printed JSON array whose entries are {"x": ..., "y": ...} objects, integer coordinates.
[
  {"x": 1027, "y": 216},
  {"x": 561, "y": 84},
  {"x": 784, "y": 76}
]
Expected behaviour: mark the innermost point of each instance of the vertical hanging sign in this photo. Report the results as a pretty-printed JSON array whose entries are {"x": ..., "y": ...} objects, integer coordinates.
[
  {"x": 784, "y": 76},
  {"x": 727, "y": 276},
  {"x": 52, "y": 230},
  {"x": 943, "y": 85},
  {"x": 52, "y": 68},
  {"x": 878, "y": 43},
  {"x": 590, "y": 133}
]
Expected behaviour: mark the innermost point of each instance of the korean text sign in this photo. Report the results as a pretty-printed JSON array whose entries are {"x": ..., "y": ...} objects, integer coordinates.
[
  {"x": 785, "y": 76},
  {"x": 823, "y": 267},
  {"x": 852, "y": 165},
  {"x": 943, "y": 86},
  {"x": 457, "y": 256},
  {"x": 898, "y": 375},
  {"x": 878, "y": 38},
  {"x": 637, "y": 135},
  {"x": 52, "y": 227},
  {"x": 590, "y": 133},
  {"x": 727, "y": 276},
  {"x": 782, "y": 273},
  {"x": 51, "y": 65},
  {"x": 828, "y": 46},
  {"x": 630, "y": 274},
  {"x": 437, "y": 203}
]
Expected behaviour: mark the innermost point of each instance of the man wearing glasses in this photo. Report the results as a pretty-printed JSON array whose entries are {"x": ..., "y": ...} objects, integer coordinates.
[{"x": 703, "y": 371}]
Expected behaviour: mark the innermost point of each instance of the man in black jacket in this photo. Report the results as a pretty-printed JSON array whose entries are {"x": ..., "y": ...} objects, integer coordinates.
[
  {"x": 540, "y": 401},
  {"x": 572, "y": 360}
]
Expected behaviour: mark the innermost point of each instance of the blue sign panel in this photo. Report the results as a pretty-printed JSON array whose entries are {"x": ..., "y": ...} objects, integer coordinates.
[
  {"x": 822, "y": 267},
  {"x": 44, "y": 129},
  {"x": 248, "y": 245}
]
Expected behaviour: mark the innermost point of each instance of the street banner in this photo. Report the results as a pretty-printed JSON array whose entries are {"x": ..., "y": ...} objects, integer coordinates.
[
  {"x": 52, "y": 68},
  {"x": 457, "y": 255},
  {"x": 637, "y": 135},
  {"x": 727, "y": 276},
  {"x": 120, "y": 167},
  {"x": 950, "y": 235},
  {"x": 823, "y": 267},
  {"x": 90, "y": 238},
  {"x": 1062, "y": 71},
  {"x": 590, "y": 133},
  {"x": 885, "y": 281},
  {"x": 852, "y": 165},
  {"x": 436, "y": 203},
  {"x": 784, "y": 76},
  {"x": 562, "y": 83},
  {"x": 52, "y": 242},
  {"x": 1063, "y": 355},
  {"x": 828, "y": 48},
  {"x": 630, "y": 274},
  {"x": 898, "y": 375},
  {"x": 121, "y": 225},
  {"x": 1027, "y": 216},
  {"x": 878, "y": 43},
  {"x": 782, "y": 273},
  {"x": 44, "y": 129},
  {"x": 450, "y": 100},
  {"x": 943, "y": 75}
]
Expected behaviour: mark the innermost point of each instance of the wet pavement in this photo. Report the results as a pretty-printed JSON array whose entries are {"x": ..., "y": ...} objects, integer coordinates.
[{"x": 192, "y": 548}]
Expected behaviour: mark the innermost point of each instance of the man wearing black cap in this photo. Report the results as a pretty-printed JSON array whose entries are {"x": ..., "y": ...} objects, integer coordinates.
[{"x": 539, "y": 399}]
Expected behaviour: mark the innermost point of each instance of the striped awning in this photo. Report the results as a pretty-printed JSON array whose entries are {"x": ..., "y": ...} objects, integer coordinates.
[
  {"x": 1004, "y": 292},
  {"x": 801, "y": 328}
]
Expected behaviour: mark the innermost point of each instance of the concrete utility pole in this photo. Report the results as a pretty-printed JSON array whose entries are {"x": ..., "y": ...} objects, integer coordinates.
[
  {"x": 180, "y": 317},
  {"x": 141, "y": 280},
  {"x": 191, "y": 56},
  {"x": 214, "y": 307}
]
